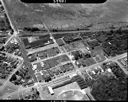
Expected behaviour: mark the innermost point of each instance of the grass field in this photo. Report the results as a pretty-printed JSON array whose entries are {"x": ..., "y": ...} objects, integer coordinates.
[{"x": 66, "y": 16}]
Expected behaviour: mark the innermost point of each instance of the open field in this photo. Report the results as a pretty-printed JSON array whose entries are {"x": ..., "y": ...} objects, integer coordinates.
[{"x": 66, "y": 16}]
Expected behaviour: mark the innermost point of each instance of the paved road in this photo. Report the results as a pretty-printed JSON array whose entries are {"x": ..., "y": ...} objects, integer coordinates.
[
  {"x": 85, "y": 68},
  {"x": 111, "y": 59},
  {"x": 7, "y": 82},
  {"x": 63, "y": 32},
  {"x": 24, "y": 53},
  {"x": 9, "y": 16},
  {"x": 14, "y": 56},
  {"x": 48, "y": 58},
  {"x": 51, "y": 35},
  {"x": 18, "y": 67},
  {"x": 52, "y": 83},
  {"x": 15, "y": 29},
  {"x": 9, "y": 39},
  {"x": 26, "y": 60},
  {"x": 11, "y": 21}
]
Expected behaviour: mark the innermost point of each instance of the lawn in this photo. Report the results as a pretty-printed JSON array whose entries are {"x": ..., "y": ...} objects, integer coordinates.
[{"x": 65, "y": 16}]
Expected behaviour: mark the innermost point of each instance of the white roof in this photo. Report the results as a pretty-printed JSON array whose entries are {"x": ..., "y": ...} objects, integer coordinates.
[
  {"x": 93, "y": 72},
  {"x": 34, "y": 67},
  {"x": 109, "y": 70},
  {"x": 42, "y": 64}
]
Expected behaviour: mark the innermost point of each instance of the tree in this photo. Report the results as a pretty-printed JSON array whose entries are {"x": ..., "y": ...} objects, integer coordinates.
[{"x": 108, "y": 88}]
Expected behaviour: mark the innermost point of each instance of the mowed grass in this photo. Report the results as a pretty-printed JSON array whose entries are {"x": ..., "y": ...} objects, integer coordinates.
[{"x": 66, "y": 16}]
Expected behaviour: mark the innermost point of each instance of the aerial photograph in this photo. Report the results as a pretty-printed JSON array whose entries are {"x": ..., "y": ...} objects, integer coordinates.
[{"x": 63, "y": 51}]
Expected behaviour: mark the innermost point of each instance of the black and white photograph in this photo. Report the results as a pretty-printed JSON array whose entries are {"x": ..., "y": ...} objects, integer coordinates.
[{"x": 64, "y": 50}]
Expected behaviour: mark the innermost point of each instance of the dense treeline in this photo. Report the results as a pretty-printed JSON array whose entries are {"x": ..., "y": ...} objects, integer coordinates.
[
  {"x": 113, "y": 42},
  {"x": 110, "y": 88}
]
